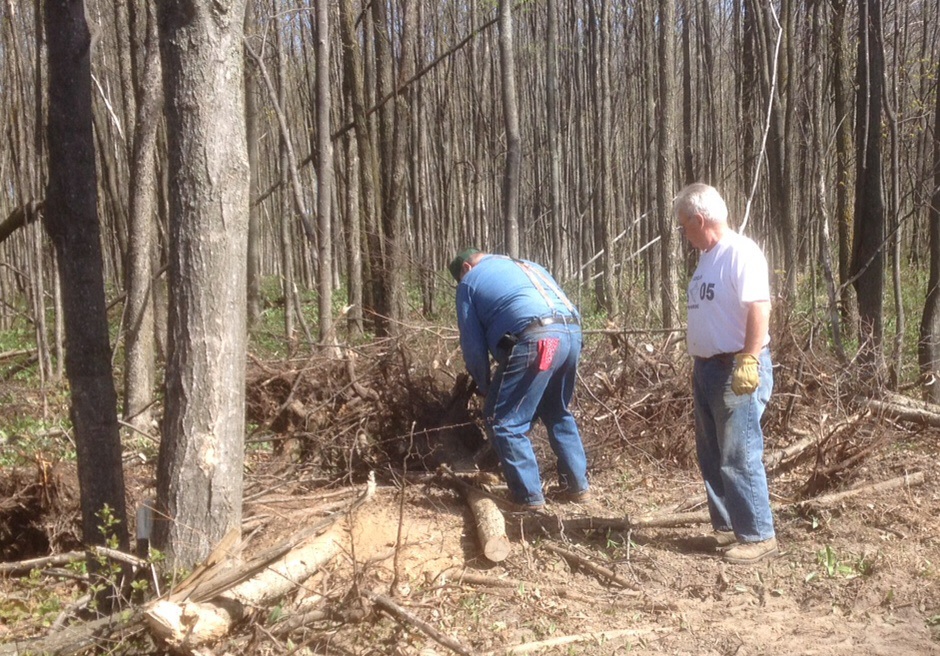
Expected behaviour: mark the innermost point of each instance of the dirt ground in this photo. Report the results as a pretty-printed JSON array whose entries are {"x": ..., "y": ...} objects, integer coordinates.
[{"x": 858, "y": 576}]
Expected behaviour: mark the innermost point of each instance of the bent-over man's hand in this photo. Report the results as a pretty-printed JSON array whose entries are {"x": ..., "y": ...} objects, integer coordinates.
[{"x": 744, "y": 378}]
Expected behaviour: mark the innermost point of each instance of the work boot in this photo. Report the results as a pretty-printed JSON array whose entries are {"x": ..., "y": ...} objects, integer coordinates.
[
  {"x": 746, "y": 553},
  {"x": 579, "y": 497},
  {"x": 715, "y": 541}
]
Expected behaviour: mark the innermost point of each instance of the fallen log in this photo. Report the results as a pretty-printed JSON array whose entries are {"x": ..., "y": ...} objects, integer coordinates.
[
  {"x": 907, "y": 410},
  {"x": 209, "y": 609},
  {"x": 491, "y": 526},
  {"x": 908, "y": 480},
  {"x": 907, "y": 401}
]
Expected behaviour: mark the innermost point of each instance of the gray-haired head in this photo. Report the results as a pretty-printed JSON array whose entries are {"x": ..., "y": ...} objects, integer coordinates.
[{"x": 703, "y": 199}]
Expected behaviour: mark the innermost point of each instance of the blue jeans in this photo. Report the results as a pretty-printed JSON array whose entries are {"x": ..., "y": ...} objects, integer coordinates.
[
  {"x": 730, "y": 446},
  {"x": 518, "y": 394}
]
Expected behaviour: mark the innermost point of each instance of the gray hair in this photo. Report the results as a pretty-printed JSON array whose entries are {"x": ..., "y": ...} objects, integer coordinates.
[{"x": 700, "y": 198}]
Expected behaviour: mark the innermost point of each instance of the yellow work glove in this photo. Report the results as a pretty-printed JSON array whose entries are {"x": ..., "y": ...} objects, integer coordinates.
[{"x": 744, "y": 375}]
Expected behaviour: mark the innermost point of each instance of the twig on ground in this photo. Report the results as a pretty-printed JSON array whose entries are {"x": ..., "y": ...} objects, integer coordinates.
[
  {"x": 593, "y": 567},
  {"x": 594, "y": 636},
  {"x": 405, "y": 617}
]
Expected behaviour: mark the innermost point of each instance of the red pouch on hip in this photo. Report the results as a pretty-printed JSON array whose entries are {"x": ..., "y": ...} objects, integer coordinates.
[{"x": 547, "y": 348}]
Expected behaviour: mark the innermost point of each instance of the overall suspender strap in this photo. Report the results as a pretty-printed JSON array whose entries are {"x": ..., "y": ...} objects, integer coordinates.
[{"x": 538, "y": 278}]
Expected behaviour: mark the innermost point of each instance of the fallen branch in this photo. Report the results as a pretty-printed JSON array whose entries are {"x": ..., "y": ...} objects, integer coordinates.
[
  {"x": 908, "y": 480},
  {"x": 907, "y": 410},
  {"x": 591, "y": 566},
  {"x": 562, "y": 591},
  {"x": 599, "y": 637},
  {"x": 24, "y": 567},
  {"x": 775, "y": 458},
  {"x": 80, "y": 637},
  {"x": 702, "y": 517},
  {"x": 672, "y": 520},
  {"x": 405, "y": 617}
]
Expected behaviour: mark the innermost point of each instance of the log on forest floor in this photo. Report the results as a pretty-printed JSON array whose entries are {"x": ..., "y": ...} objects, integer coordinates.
[{"x": 208, "y": 610}]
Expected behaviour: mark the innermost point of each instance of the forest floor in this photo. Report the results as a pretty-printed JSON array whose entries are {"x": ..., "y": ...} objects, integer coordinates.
[{"x": 855, "y": 576}]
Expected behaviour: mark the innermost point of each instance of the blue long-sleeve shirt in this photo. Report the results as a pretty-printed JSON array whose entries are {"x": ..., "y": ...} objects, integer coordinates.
[{"x": 494, "y": 298}]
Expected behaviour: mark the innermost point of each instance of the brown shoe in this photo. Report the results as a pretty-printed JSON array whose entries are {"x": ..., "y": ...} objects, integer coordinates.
[
  {"x": 715, "y": 541},
  {"x": 724, "y": 539},
  {"x": 579, "y": 497},
  {"x": 746, "y": 553}
]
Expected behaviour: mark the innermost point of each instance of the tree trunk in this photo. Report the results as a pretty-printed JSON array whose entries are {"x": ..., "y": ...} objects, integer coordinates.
[
  {"x": 355, "y": 88},
  {"x": 199, "y": 476},
  {"x": 843, "y": 180},
  {"x": 928, "y": 351},
  {"x": 868, "y": 246},
  {"x": 139, "y": 366},
  {"x": 511, "y": 172},
  {"x": 324, "y": 175},
  {"x": 554, "y": 140},
  {"x": 253, "y": 134},
  {"x": 71, "y": 219},
  {"x": 665, "y": 158}
]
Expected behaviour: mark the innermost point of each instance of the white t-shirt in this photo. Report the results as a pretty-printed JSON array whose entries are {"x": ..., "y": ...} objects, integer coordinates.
[{"x": 728, "y": 277}]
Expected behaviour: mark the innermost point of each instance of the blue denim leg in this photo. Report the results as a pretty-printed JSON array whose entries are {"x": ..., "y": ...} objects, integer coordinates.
[
  {"x": 520, "y": 392},
  {"x": 563, "y": 434},
  {"x": 730, "y": 447}
]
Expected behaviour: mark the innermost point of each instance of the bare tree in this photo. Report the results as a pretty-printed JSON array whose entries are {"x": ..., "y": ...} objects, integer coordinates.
[
  {"x": 844, "y": 150},
  {"x": 928, "y": 351},
  {"x": 253, "y": 136},
  {"x": 139, "y": 369},
  {"x": 199, "y": 472},
  {"x": 324, "y": 175},
  {"x": 665, "y": 158},
  {"x": 507, "y": 62},
  {"x": 868, "y": 246},
  {"x": 71, "y": 218}
]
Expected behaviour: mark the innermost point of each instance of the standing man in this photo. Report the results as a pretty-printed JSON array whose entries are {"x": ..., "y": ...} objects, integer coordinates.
[
  {"x": 728, "y": 318},
  {"x": 514, "y": 310}
]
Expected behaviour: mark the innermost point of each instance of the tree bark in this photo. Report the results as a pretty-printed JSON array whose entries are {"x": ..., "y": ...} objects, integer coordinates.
[
  {"x": 511, "y": 172},
  {"x": 354, "y": 86},
  {"x": 324, "y": 176},
  {"x": 71, "y": 219},
  {"x": 665, "y": 157},
  {"x": 843, "y": 174},
  {"x": 253, "y": 134},
  {"x": 139, "y": 366},
  {"x": 928, "y": 347},
  {"x": 559, "y": 253},
  {"x": 868, "y": 245},
  {"x": 199, "y": 476}
]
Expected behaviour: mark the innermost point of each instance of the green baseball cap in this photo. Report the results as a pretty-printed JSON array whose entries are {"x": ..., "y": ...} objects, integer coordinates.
[{"x": 457, "y": 263}]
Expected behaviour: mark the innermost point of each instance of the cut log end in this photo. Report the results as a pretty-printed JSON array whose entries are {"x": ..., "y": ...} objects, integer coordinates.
[{"x": 497, "y": 548}]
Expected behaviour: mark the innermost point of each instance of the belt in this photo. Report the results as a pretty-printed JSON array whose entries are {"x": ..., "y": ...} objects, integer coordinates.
[
  {"x": 509, "y": 339},
  {"x": 551, "y": 320},
  {"x": 723, "y": 357}
]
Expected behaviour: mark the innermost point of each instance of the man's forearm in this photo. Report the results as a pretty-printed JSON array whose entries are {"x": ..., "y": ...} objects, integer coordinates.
[{"x": 758, "y": 323}]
